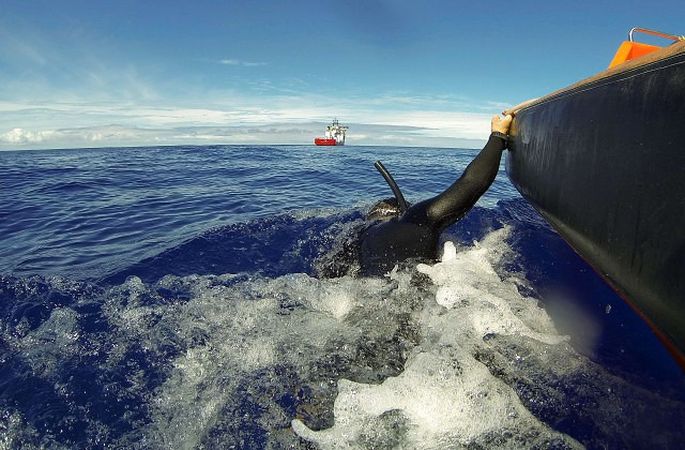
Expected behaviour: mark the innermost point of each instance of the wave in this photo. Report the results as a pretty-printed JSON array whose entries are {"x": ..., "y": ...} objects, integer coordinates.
[{"x": 271, "y": 246}]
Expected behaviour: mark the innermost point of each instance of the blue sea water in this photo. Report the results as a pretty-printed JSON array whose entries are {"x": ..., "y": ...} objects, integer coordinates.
[{"x": 167, "y": 298}]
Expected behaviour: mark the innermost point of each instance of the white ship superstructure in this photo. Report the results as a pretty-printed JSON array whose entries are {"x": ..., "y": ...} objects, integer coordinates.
[{"x": 337, "y": 132}]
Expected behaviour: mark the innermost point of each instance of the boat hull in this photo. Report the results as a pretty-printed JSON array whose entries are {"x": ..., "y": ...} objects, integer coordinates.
[
  {"x": 326, "y": 142},
  {"x": 604, "y": 163}
]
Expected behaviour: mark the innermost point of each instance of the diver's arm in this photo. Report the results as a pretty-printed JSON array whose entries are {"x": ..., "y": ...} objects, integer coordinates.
[
  {"x": 448, "y": 207},
  {"x": 458, "y": 199}
]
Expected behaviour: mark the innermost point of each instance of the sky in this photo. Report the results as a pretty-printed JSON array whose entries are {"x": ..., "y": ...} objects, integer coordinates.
[{"x": 411, "y": 73}]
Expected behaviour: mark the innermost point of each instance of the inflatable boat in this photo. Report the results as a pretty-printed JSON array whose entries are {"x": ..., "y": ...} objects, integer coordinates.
[{"x": 603, "y": 161}]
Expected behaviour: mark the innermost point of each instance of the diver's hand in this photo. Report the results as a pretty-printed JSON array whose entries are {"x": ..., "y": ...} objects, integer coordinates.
[{"x": 500, "y": 124}]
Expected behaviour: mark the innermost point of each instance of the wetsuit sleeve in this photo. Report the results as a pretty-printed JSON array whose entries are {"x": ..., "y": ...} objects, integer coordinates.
[{"x": 448, "y": 207}]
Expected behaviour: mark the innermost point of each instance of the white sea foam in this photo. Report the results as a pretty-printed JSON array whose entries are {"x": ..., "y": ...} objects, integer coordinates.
[
  {"x": 15, "y": 432},
  {"x": 56, "y": 339},
  {"x": 423, "y": 359},
  {"x": 239, "y": 336},
  {"x": 249, "y": 328},
  {"x": 445, "y": 397}
]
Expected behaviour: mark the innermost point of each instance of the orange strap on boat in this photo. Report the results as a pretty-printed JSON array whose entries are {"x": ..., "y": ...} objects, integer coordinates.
[{"x": 630, "y": 49}]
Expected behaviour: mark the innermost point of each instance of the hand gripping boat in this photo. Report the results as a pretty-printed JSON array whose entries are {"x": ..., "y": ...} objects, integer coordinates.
[{"x": 603, "y": 161}]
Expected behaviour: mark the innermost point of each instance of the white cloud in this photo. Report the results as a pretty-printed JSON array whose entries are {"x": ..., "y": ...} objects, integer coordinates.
[
  {"x": 456, "y": 124},
  {"x": 238, "y": 62},
  {"x": 22, "y": 137},
  {"x": 270, "y": 133},
  {"x": 112, "y": 135},
  {"x": 226, "y": 117}
]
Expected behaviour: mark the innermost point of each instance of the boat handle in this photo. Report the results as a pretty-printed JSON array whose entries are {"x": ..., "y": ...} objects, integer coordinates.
[{"x": 654, "y": 33}]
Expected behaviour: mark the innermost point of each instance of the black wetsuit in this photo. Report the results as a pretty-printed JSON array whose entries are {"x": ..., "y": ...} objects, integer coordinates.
[{"x": 416, "y": 233}]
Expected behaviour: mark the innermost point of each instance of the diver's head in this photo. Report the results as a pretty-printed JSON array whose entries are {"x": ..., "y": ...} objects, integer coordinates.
[{"x": 384, "y": 210}]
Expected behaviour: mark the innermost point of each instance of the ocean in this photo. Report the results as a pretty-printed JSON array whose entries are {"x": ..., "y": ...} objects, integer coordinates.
[{"x": 168, "y": 298}]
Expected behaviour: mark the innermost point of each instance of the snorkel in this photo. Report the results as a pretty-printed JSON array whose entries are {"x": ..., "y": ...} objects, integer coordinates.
[{"x": 401, "y": 202}]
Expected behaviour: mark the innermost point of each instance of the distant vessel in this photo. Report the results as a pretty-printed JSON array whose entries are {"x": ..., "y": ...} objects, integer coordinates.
[{"x": 335, "y": 135}]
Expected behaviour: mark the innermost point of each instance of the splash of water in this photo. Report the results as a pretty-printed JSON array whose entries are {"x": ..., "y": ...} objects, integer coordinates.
[
  {"x": 445, "y": 397},
  {"x": 447, "y": 356}
]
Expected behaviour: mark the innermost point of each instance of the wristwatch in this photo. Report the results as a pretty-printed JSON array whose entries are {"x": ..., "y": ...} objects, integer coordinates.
[{"x": 501, "y": 135}]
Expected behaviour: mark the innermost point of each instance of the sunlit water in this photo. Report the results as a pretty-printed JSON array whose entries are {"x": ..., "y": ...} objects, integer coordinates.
[{"x": 168, "y": 298}]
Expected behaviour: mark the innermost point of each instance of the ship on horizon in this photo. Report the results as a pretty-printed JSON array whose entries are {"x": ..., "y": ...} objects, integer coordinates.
[{"x": 335, "y": 135}]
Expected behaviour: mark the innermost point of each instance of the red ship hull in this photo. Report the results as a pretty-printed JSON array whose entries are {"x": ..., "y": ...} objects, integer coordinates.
[{"x": 325, "y": 141}]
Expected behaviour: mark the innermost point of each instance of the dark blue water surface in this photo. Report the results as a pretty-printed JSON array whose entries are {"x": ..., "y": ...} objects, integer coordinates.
[{"x": 133, "y": 283}]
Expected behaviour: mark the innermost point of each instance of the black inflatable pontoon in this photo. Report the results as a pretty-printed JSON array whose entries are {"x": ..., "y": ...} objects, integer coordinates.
[{"x": 604, "y": 162}]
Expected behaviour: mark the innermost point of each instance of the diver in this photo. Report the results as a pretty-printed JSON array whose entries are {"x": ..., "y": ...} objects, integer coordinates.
[{"x": 395, "y": 231}]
